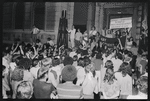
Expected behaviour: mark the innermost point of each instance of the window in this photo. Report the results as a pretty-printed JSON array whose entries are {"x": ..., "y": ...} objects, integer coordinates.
[
  {"x": 7, "y": 15},
  {"x": 19, "y": 15},
  {"x": 50, "y": 17},
  {"x": 39, "y": 15}
]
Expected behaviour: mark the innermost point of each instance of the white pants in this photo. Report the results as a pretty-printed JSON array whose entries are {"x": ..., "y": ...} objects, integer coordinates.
[
  {"x": 99, "y": 80},
  {"x": 72, "y": 43}
]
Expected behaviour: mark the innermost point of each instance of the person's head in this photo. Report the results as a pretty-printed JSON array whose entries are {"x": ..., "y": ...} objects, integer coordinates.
[
  {"x": 17, "y": 74},
  {"x": 119, "y": 56},
  {"x": 109, "y": 32},
  {"x": 73, "y": 27},
  {"x": 87, "y": 61},
  {"x": 78, "y": 30},
  {"x": 131, "y": 39},
  {"x": 134, "y": 44},
  {"x": 109, "y": 74},
  {"x": 125, "y": 69},
  {"x": 109, "y": 64},
  {"x": 35, "y": 62},
  {"x": 55, "y": 62},
  {"x": 25, "y": 63},
  {"x": 24, "y": 90},
  {"x": 6, "y": 53},
  {"x": 46, "y": 62},
  {"x": 88, "y": 68},
  {"x": 68, "y": 61},
  {"x": 128, "y": 56},
  {"x": 75, "y": 58},
  {"x": 81, "y": 62},
  {"x": 16, "y": 58},
  {"x": 99, "y": 56},
  {"x": 93, "y": 27},
  {"x": 48, "y": 39},
  {"x": 42, "y": 73},
  {"x": 69, "y": 73},
  {"x": 142, "y": 84}
]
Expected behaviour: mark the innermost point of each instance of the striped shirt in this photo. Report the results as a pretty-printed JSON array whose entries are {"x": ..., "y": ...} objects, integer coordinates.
[{"x": 68, "y": 91}]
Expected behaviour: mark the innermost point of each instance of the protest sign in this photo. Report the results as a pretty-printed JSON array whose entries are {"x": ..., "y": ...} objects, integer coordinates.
[{"x": 121, "y": 23}]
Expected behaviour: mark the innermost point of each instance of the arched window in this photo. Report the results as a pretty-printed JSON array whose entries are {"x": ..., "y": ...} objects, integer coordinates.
[
  {"x": 7, "y": 15},
  {"x": 19, "y": 15},
  {"x": 39, "y": 15}
]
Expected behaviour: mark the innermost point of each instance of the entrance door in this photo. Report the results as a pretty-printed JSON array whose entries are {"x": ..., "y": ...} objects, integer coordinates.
[{"x": 80, "y": 15}]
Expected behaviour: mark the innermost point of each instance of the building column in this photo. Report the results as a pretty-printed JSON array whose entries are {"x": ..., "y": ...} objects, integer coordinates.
[
  {"x": 57, "y": 18},
  {"x": 97, "y": 17},
  {"x": 101, "y": 17},
  {"x": 89, "y": 20},
  {"x": 70, "y": 14}
]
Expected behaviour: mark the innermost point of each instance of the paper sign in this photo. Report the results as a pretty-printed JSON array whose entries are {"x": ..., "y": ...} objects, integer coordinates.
[{"x": 121, "y": 23}]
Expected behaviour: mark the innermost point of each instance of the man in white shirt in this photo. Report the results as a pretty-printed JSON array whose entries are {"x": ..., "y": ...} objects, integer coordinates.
[
  {"x": 72, "y": 35},
  {"x": 142, "y": 89},
  {"x": 35, "y": 32},
  {"x": 93, "y": 31},
  {"x": 36, "y": 66},
  {"x": 78, "y": 37},
  {"x": 117, "y": 61}
]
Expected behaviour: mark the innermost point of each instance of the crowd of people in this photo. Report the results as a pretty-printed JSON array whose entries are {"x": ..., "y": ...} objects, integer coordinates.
[{"x": 88, "y": 69}]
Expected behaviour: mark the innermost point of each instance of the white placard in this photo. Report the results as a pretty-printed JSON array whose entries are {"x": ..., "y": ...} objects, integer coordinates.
[{"x": 121, "y": 23}]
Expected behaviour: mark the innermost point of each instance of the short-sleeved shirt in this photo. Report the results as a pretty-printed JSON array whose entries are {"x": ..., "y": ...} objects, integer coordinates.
[
  {"x": 111, "y": 89},
  {"x": 42, "y": 89},
  {"x": 125, "y": 83},
  {"x": 93, "y": 32},
  {"x": 78, "y": 36},
  {"x": 68, "y": 91}
]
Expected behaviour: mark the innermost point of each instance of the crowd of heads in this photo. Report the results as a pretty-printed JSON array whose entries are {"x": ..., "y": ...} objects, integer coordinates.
[{"x": 46, "y": 56}]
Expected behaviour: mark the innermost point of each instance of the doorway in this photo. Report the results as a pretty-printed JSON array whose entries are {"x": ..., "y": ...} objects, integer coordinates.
[{"x": 80, "y": 15}]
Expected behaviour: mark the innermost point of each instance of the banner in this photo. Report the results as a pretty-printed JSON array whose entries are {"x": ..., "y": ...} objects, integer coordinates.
[
  {"x": 121, "y": 23},
  {"x": 110, "y": 41}
]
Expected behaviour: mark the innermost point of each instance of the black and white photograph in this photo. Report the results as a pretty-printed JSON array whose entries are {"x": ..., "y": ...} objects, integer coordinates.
[{"x": 75, "y": 50}]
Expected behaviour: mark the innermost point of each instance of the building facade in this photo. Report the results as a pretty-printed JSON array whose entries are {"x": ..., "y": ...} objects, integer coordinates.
[{"x": 19, "y": 17}]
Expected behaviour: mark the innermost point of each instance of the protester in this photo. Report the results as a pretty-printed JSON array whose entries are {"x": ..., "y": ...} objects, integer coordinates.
[
  {"x": 72, "y": 35},
  {"x": 124, "y": 79},
  {"x": 24, "y": 90},
  {"x": 42, "y": 89},
  {"x": 78, "y": 38},
  {"x": 110, "y": 85},
  {"x": 142, "y": 84},
  {"x": 68, "y": 90}
]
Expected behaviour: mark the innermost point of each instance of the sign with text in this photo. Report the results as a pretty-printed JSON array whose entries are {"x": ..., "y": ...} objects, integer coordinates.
[{"x": 121, "y": 23}]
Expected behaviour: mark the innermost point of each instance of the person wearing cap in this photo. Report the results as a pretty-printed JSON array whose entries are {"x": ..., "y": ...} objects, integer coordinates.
[
  {"x": 68, "y": 90},
  {"x": 42, "y": 89}
]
